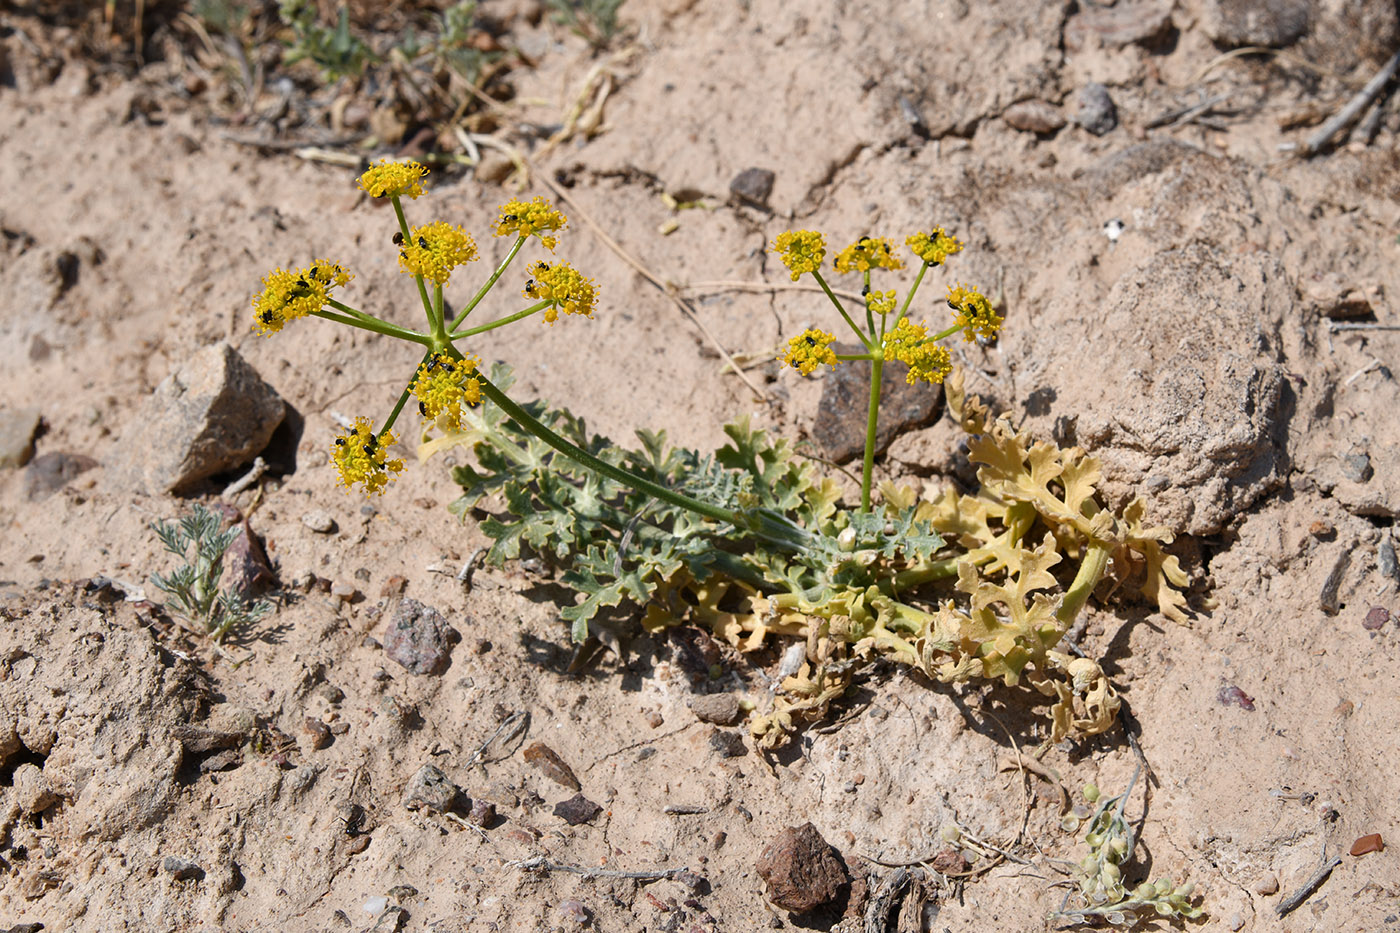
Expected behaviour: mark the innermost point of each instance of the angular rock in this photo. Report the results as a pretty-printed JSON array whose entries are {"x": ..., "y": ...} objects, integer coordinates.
[
  {"x": 430, "y": 788},
  {"x": 211, "y": 414},
  {"x": 547, "y": 761},
  {"x": 17, "y": 430},
  {"x": 182, "y": 869},
  {"x": 802, "y": 870},
  {"x": 483, "y": 813},
  {"x": 1097, "y": 114},
  {"x": 1034, "y": 116},
  {"x": 1270, "y": 23},
  {"x": 577, "y": 809},
  {"x": 417, "y": 638},
  {"x": 319, "y": 521},
  {"x": 753, "y": 186},
  {"x": 728, "y": 744},
  {"x": 840, "y": 423},
  {"x": 722, "y": 709},
  {"x": 50, "y": 472},
  {"x": 1122, "y": 25}
]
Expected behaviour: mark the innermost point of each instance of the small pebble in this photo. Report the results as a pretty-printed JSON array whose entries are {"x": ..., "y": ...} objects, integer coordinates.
[
  {"x": 654, "y": 719},
  {"x": 1321, "y": 529},
  {"x": 182, "y": 869},
  {"x": 430, "y": 788},
  {"x": 330, "y": 693},
  {"x": 547, "y": 762},
  {"x": 1236, "y": 921},
  {"x": 376, "y": 905},
  {"x": 340, "y": 728},
  {"x": 343, "y": 592},
  {"x": 722, "y": 709},
  {"x": 728, "y": 744},
  {"x": 483, "y": 813},
  {"x": 574, "y": 912},
  {"x": 1097, "y": 114},
  {"x": 1367, "y": 844},
  {"x": 577, "y": 809},
  {"x": 319, "y": 521},
  {"x": 1230, "y": 695},
  {"x": 1266, "y": 885},
  {"x": 320, "y": 733},
  {"x": 1376, "y": 618}
]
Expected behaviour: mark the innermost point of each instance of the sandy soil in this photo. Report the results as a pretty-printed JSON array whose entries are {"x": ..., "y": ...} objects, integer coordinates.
[{"x": 1173, "y": 291}]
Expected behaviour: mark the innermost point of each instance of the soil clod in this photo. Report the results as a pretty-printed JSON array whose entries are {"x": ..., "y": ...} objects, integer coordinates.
[{"x": 802, "y": 870}]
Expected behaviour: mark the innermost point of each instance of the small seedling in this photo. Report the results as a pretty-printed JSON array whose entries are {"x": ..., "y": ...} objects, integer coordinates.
[
  {"x": 1111, "y": 841},
  {"x": 194, "y": 587}
]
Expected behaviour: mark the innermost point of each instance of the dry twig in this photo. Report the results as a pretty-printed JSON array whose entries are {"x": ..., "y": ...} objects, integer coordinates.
[
  {"x": 1359, "y": 102},
  {"x": 541, "y": 864}
]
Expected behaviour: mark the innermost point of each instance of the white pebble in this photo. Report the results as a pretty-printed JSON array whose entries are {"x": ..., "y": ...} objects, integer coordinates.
[{"x": 376, "y": 905}]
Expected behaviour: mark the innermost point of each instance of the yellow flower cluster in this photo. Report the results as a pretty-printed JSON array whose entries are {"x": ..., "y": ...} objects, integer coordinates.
[
  {"x": 526, "y": 218},
  {"x": 973, "y": 313},
  {"x": 393, "y": 179},
  {"x": 360, "y": 457},
  {"x": 934, "y": 247},
  {"x": 564, "y": 287},
  {"x": 927, "y": 361},
  {"x": 808, "y": 350},
  {"x": 442, "y": 384},
  {"x": 433, "y": 251},
  {"x": 881, "y": 303},
  {"x": 801, "y": 251},
  {"x": 288, "y": 295},
  {"x": 868, "y": 253}
]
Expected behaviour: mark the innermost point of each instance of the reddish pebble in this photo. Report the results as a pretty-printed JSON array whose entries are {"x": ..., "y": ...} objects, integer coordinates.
[
  {"x": 1376, "y": 618},
  {"x": 1369, "y": 843},
  {"x": 1230, "y": 695}
]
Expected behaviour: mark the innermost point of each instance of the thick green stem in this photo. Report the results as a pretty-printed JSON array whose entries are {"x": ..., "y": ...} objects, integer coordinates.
[
  {"x": 877, "y": 368},
  {"x": 576, "y": 453},
  {"x": 476, "y": 299},
  {"x": 1091, "y": 571},
  {"x": 865, "y": 339}
]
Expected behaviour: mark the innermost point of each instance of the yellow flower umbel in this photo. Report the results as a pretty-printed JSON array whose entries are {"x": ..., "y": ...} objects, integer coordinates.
[
  {"x": 866, "y": 254},
  {"x": 973, "y": 313},
  {"x": 288, "y": 295},
  {"x": 360, "y": 457},
  {"x": 443, "y": 384},
  {"x": 563, "y": 287},
  {"x": 435, "y": 250},
  {"x": 881, "y": 304},
  {"x": 934, "y": 247},
  {"x": 527, "y": 218},
  {"x": 808, "y": 350},
  {"x": 927, "y": 361},
  {"x": 393, "y": 179},
  {"x": 801, "y": 251}
]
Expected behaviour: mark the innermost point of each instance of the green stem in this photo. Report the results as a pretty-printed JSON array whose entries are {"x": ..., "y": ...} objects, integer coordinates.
[
  {"x": 422, "y": 289},
  {"x": 438, "y": 330},
  {"x": 909, "y": 298},
  {"x": 869, "y": 315},
  {"x": 462, "y": 315},
  {"x": 877, "y": 368},
  {"x": 502, "y": 322},
  {"x": 375, "y": 325},
  {"x": 853, "y": 357},
  {"x": 356, "y": 312},
  {"x": 394, "y": 415},
  {"x": 869, "y": 345},
  {"x": 1091, "y": 571},
  {"x": 617, "y": 474}
]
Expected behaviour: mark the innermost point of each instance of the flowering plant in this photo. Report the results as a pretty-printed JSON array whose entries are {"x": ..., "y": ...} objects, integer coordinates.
[{"x": 749, "y": 540}]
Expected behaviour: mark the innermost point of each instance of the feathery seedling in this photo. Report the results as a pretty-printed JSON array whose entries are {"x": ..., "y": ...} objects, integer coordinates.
[{"x": 193, "y": 588}]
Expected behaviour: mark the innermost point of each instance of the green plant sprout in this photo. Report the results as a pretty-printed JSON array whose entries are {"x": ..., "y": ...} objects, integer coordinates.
[
  {"x": 337, "y": 52},
  {"x": 194, "y": 587},
  {"x": 749, "y": 540},
  {"x": 595, "y": 21},
  {"x": 1110, "y": 839}
]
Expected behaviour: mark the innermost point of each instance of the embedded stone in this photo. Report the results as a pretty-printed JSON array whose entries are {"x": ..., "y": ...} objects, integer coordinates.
[{"x": 802, "y": 870}]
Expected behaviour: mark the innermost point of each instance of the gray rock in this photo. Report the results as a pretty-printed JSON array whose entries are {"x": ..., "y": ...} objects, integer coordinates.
[
  {"x": 1119, "y": 26},
  {"x": 211, "y": 414},
  {"x": 1034, "y": 116},
  {"x": 1356, "y": 466},
  {"x": 17, "y": 429},
  {"x": 319, "y": 521},
  {"x": 50, "y": 472},
  {"x": 182, "y": 869},
  {"x": 840, "y": 423},
  {"x": 753, "y": 186},
  {"x": 417, "y": 638},
  {"x": 1097, "y": 114},
  {"x": 430, "y": 788},
  {"x": 729, "y": 744},
  {"x": 1270, "y": 23},
  {"x": 722, "y": 709}
]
